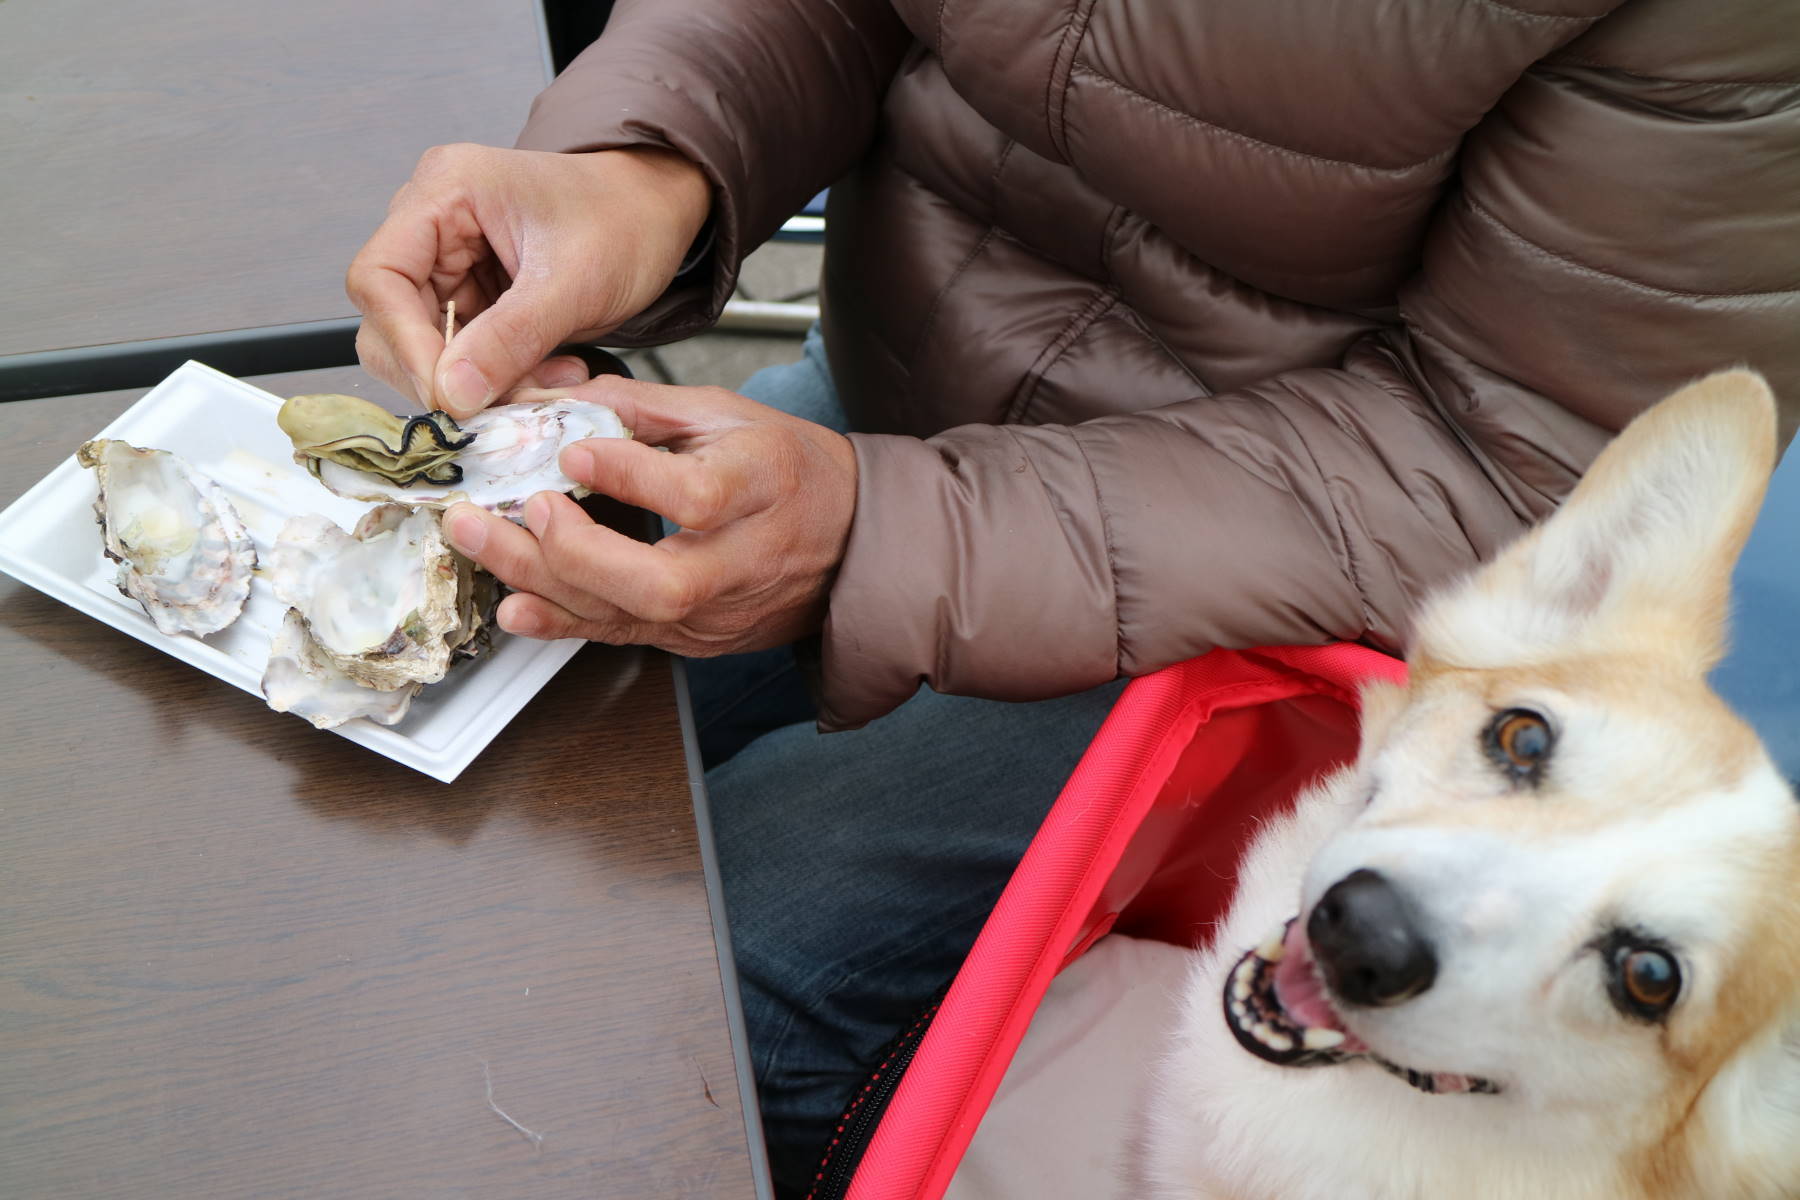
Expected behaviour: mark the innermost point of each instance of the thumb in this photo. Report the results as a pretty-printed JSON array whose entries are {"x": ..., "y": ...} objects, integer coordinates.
[{"x": 494, "y": 351}]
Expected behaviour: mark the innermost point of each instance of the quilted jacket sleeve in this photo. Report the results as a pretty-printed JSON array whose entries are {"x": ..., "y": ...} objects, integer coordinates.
[
  {"x": 772, "y": 100},
  {"x": 1622, "y": 223}
]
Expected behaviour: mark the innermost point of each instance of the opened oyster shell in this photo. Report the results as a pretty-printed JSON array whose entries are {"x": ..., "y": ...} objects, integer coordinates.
[
  {"x": 389, "y": 604},
  {"x": 183, "y": 551},
  {"x": 509, "y": 454},
  {"x": 302, "y": 679}
]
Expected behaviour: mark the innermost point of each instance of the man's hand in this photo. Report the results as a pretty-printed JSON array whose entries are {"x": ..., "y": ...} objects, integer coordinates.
[
  {"x": 764, "y": 501},
  {"x": 536, "y": 249}
]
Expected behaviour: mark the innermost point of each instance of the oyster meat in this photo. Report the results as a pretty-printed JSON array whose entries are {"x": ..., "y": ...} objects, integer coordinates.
[
  {"x": 502, "y": 455},
  {"x": 183, "y": 551},
  {"x": 366, "y": 437}
]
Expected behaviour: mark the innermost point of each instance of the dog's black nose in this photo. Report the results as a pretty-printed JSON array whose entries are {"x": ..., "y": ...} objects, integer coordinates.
[{"x": 1367, "y": 943}]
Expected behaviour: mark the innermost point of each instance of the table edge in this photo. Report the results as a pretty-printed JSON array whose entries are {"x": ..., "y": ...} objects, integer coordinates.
[{"x": 715, "y": 903}]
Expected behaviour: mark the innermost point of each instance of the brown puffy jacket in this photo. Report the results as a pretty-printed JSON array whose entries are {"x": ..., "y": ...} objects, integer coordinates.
[{"x": 1222, "y": 322}]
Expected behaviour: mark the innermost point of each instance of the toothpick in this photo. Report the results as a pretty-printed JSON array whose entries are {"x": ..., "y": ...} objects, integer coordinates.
[{"x": 449, "y": 321}]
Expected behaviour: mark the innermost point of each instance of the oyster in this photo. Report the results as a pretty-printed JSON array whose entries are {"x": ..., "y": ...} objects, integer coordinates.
[
  {"x": 183, "y": 551},
  {"x": 365, "y": 437},
  {"x": 510, "y": 453},
  {"x": 388, "y": 605}
]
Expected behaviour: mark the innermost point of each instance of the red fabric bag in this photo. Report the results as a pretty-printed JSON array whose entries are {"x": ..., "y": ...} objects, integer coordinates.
[{"x": 1145, "y": 839}]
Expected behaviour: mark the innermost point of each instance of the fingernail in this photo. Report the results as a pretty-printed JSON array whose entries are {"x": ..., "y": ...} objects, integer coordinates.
[
  {"x": 517, "y": 619},
  {"x": 563, "y": 372},
  {"x": 537, "y": 515},
  {"x": 467, "y": 531},
  {"x": 466, "y": 389},
  {"x": 577, "y": 462}
]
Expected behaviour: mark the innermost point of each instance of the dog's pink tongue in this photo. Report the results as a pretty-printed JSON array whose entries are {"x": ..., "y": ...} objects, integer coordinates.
[{"x": 1299, "y": 992}]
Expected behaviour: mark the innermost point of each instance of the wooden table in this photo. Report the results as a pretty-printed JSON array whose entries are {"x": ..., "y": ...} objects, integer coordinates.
[
  {"x": 242, "y": 957},
  {"x": 187, "y": 166}
]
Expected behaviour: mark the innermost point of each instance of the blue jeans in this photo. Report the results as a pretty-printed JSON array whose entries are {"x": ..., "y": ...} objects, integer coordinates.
[{"x": 858, "y": 867}]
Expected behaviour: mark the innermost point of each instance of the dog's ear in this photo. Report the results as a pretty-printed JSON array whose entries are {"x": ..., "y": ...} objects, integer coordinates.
[{"x": 1639, "y": 558}]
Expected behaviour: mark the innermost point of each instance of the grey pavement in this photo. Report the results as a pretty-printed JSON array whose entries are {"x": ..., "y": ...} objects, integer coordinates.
[{"x": 778, "y": 271}]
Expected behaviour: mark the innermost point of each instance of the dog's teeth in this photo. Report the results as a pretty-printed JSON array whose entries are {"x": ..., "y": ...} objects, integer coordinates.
[
  {"x": 1321, "y": 1039},
  {"x": 1272, "y": 949},
  {"x": 1242, "y": 979},
  {"x": 1240, "y": 1012},
  {"x": 1272, "y": 1038}
]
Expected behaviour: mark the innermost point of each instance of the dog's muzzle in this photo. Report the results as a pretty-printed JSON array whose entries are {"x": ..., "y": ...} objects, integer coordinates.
[{"x": 1361, "y": 947}]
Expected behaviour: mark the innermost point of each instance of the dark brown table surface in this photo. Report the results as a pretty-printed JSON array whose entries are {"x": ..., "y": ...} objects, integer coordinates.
[
  {"x": 190, "y": 166},
  {"x": 241, "y": 957}
]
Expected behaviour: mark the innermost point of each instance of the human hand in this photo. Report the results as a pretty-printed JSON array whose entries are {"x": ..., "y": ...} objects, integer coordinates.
[
  {"x": 535, "y": 248},
  {"x": 764, "y": 500}
]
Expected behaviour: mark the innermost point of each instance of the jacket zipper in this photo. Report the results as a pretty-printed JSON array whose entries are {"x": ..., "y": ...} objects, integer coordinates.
[{"x": 856, "y": 1128}]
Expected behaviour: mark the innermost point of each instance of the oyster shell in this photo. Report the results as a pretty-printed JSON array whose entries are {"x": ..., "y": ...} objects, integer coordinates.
[
  {"x": 302, "y": 679},
  {"x": 365, "y": 437},
  {"x": 388, "y": 605},
  {"x": 511, "y": 455},
  {"x": 183, "y": 551}
]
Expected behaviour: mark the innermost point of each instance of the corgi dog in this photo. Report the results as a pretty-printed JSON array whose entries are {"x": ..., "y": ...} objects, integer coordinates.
[{"x": 1541, "y": 939}]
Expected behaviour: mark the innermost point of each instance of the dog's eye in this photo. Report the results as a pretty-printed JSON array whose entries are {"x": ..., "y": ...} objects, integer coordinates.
[
  {"x": 1519, "y": 740},
  {"x": 1646, "y": 980}
]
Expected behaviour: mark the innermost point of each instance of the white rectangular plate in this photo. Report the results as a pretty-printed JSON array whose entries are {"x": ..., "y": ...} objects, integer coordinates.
[{"x": 226, "y": 429}]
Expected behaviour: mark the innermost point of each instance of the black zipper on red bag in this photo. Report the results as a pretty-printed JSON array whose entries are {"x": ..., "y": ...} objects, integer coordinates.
[{"x": 856, "y": 1128}]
